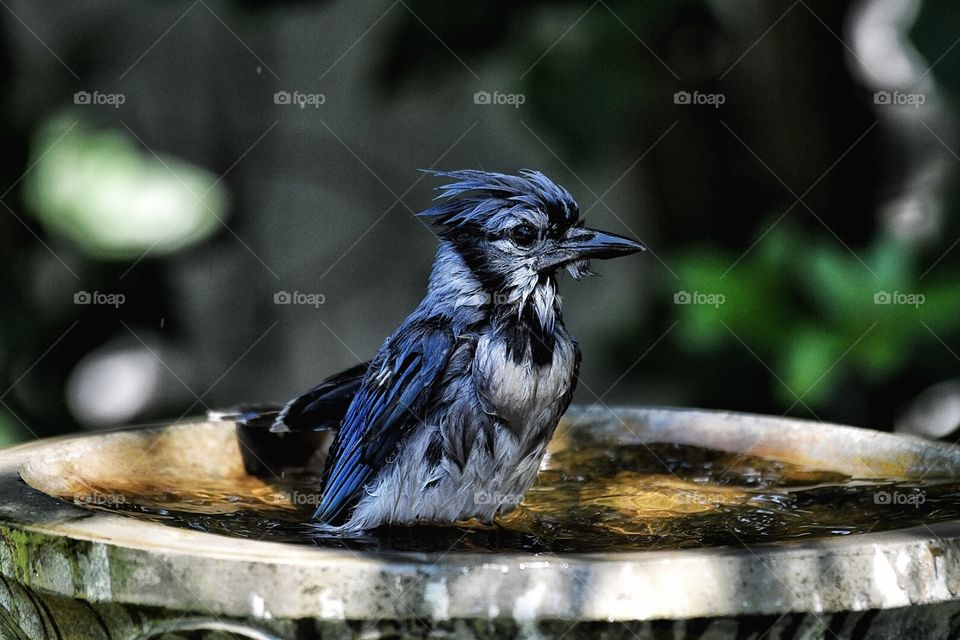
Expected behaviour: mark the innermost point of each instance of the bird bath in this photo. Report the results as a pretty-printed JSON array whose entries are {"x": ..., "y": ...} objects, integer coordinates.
[{"x": 645, "y": 523}]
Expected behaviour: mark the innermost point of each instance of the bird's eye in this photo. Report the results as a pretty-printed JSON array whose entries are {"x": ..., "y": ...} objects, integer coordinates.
[{"x": 523, "y": 235}]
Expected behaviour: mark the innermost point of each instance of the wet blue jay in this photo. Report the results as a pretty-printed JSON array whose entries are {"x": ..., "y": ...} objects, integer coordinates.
[{"x": 451, "y": 418}]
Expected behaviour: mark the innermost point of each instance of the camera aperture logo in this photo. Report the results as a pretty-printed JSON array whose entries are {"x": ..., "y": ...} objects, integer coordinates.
[
  {"x": 899, "y": 99},
  {"x": 699, "y": 297},
  {"x": 497, "y": 98},
  {"x": 110, "y": 299},
  {"x": 299, "y": 297},
  {"x": 697, "y": 98},
  {"x": 302, "y": 100},
  {"x": 899, "y": 298},
  {"x": 900, "y": 498},
  {"x": 96, "y": 98}
]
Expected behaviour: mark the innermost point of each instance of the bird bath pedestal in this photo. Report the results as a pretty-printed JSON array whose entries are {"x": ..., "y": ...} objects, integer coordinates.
[{"x": 68, "y": 571}]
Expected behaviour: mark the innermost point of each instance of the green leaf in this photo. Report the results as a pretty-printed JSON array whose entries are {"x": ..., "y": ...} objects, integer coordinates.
[{"x": 812, "y": 359}]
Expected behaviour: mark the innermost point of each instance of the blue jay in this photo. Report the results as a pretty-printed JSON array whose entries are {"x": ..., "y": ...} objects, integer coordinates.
[{"x": 451, "y": 418}]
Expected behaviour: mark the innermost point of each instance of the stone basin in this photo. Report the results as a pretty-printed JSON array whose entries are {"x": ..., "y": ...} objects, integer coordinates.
[{"x": 69, "y": 569}]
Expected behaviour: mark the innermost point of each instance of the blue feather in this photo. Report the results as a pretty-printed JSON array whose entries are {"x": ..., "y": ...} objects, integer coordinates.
[
  {"x": 384, "y": 411},
  {"x": 475, "y": 197}
]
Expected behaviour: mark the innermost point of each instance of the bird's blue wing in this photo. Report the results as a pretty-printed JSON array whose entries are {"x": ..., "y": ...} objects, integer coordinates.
[{"x": 392, "y": 399}]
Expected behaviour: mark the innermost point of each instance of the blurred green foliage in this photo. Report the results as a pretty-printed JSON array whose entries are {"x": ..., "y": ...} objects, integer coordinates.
[
  {"x": 11, "y": 432},
  {"x": 113, "y": 198},
  {"x": 812, "y": 309}
]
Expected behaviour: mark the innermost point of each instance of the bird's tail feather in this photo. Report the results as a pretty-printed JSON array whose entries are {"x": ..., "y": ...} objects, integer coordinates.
[{"x": 246, "y": 416}]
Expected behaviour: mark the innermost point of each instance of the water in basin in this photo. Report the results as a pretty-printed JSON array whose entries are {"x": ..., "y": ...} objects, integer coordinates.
[{"x": 590, "y": 497}]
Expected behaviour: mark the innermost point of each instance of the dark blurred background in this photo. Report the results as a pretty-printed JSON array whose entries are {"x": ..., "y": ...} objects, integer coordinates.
[{"x": 208, "y": 203}]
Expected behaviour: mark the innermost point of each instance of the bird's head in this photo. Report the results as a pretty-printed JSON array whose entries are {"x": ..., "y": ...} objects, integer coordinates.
[{"x": 514, "y": 231}]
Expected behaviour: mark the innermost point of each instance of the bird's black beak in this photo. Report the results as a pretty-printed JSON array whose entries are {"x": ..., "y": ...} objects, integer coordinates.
[
  {"x": 593, "y": 243},
  {"x": 583, "y": 244}
]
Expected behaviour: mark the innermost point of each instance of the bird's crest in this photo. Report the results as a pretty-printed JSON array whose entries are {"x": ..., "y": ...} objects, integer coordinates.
[{"x": 477, "y": 198}]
